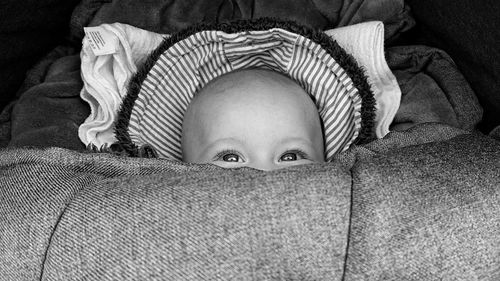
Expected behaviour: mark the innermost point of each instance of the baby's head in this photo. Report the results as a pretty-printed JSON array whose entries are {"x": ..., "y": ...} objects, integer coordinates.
[
  {"x": 248, "y": 117},
  {"x": 254, "y": 118}
]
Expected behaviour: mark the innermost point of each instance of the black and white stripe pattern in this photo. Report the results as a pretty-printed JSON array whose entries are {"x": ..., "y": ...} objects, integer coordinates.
[{"x": 187, "y": 66}]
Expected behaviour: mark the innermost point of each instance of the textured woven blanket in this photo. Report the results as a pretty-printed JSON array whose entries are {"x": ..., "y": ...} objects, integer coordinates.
[{"x": 426, "y": 212}]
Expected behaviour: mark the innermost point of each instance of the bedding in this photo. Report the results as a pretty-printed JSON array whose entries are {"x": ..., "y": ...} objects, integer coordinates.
[
  {"x": 50, "y": 109},
  {"x": 170, "y": 16},
  {"x": 424, "y": 218},
  {"x": 28, "y": 30},
  {"x": 423, "y": 211},
  {"x": 433, "y": 90},
  {"x": 424, "y": 77},
  {"x": 468, "y": 32},
  {"x": 106, "y": 77}
]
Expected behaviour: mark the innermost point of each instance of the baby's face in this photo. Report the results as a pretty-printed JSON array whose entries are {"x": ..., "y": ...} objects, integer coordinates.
[{"x": 252, "y": 118}]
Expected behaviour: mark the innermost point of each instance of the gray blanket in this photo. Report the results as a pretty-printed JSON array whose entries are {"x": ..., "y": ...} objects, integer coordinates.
[{"x": 429, "y": 211}]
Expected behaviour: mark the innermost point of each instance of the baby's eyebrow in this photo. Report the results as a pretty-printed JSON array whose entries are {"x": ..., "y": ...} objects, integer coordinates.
[
  {"x": 295, "y": 140},
  {"x": 227, "y": 140},
  {"x": 223, "y": 142}
]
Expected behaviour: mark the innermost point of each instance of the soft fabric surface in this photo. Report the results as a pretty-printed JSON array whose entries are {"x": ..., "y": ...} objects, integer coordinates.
[
  {"x": 165, "y": 17},
  {"x": 28, "y": 30},
  {"x": 20, "y": 127},
  {"x": 426, "y": 76},
  {"x": 160, "y": 92},
  {"x": 468, "y": 31},
  {"x": 105, "y": 218},
  {"x": 105, "y": 77},
  {"x": 171, "y": 16},
  {"x": 395, "y": 14},
  {"x": 433, "y": 89},
  {"x": 395, "y": 140},
  {"x": 50, "y": 111},
  {"x": 495, "y": 133},
  {"x": 365, "y": 41},
  {"x": 428, "y": 211}
]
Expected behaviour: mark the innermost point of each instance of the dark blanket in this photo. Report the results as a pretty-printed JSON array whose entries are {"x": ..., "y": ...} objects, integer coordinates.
[
  {"x": 468, "y": 31},
  {"x": 170, "y": 16},
  {"x": 50, "y": 110},
  {"x": 28, "y": 30},
  {"x": 425, "y": 212},
  {"x": 432, "y": 89}
]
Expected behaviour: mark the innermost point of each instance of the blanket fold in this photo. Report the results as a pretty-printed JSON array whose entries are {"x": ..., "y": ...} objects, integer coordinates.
[
  {"x": 432, "y": 89},
  {"x": 365, "y": 41},
  {"x": 106, "y": 77}
]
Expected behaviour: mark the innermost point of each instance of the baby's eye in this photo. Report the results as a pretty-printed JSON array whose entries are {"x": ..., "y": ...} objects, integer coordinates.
[
  {"x": 293, "y": 156},
  {"x": 289, "y": 156},
  {"x": 231, "y": 157},
  {"x": 228, "y": 156}
]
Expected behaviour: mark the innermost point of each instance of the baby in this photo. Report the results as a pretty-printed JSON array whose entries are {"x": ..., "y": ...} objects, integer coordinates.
[
  {"x": 265, "y": 94},
  {"x": 254, "y": 118}
]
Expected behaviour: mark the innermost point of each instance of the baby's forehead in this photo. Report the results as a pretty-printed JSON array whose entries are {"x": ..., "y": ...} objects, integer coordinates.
[
  {"x": 255, "y": 90},
  {"x": 258, "y": 92},
  {"x": 249, "y": 76}
]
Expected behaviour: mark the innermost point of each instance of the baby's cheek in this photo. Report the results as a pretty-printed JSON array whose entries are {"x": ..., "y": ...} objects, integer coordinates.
[
  {"x": 319, "y": 155},
  {"x": 227, "y": 165}
]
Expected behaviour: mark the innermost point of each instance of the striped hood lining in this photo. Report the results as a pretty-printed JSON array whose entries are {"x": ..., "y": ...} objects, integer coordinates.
[{"x": 152, "y": 112}]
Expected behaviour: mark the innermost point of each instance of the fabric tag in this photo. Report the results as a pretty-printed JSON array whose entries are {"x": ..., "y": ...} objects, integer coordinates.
[{"x": 101, "y": 41}]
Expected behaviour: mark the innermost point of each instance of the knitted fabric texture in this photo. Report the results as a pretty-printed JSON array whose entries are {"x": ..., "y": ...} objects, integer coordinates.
[{"x": 152, "y": 112}]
